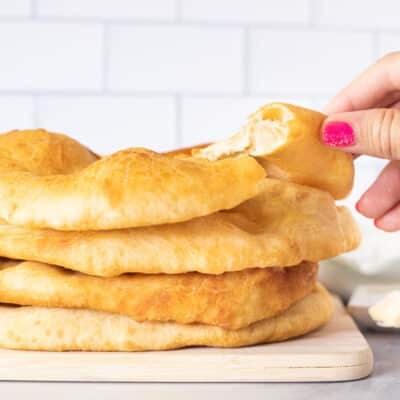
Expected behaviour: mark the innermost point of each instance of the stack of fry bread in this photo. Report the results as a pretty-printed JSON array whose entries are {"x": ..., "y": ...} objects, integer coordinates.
[{"x": 216, "y": 245}]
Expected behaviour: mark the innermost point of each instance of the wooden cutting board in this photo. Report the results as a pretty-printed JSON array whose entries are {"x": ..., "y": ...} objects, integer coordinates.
[{"x": 337, "y": 352}]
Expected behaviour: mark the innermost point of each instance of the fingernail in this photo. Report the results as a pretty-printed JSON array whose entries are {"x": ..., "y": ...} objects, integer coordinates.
[{"x": 338, "y": 134}]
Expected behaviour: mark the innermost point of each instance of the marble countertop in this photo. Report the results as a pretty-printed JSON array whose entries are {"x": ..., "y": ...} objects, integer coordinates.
[{"x": 384, "y": 383}]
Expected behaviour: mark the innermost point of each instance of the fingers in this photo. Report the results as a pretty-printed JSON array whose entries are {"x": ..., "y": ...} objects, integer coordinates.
[
  {"x": 381, "y": 201},
  {"x": 389, "y": 222},
  {"x": 373, "y": 132},
  {"x": 375, "y": 87},
  {"x": 384, "y": 193}
]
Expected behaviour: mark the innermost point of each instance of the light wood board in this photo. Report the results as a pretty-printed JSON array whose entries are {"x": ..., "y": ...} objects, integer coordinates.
[{"x": 336, "y": 352}]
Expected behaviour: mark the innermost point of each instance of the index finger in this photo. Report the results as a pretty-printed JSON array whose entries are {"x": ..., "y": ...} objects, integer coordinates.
[{"x": 378, "y": 86}]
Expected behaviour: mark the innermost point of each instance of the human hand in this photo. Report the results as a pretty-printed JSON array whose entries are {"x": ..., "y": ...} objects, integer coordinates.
[{"x": 364, "y": 118}]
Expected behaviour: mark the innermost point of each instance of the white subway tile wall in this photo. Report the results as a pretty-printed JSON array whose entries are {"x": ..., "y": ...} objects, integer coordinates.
[
  {"x": 388, "y": 42},
  {"x": 250, "y": 11},
  {"x": 44, "y": 56},
  {"x": 17, "y": 112},
  {"x": 175, "y": 59},
  {"x": 167, "y": 73},
  {"x": 109, "y": 123},
  {"x": 15, "y": 8},
  {"x": 108, "y": 9},
  {"x": 306, "y": 62},
  {"x": 382, "y": 14}
]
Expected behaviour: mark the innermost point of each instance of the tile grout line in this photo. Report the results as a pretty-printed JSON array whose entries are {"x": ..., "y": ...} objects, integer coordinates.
[
  {"x": 150, "y": 94},
  {"x": 178, "y": 11},
  {"x": 246, "y": 61},
  {"x": 278, "y": 26},
  {"x": 105, "y": 57},
  {"x": 35, "y": 99},
  {"x": 312, "y": 13},
  {"x": 34, "y": 9},
  {"x": 178, "y": 121}
]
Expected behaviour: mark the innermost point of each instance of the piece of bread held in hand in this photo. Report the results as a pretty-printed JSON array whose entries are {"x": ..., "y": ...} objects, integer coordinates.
[{"x": 286, "y": 141}]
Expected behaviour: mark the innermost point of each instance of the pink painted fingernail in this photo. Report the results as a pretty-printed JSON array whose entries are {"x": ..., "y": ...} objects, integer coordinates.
[{"x": 338, "y": 134}]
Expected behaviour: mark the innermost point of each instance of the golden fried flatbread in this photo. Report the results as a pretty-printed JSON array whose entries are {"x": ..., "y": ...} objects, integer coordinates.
[
  {"x": 286, "y": 140},
  {"x": 284, "y": 225},
  {"x": 51, "y": 181},
  {"x": 61, "y": 329},
  {"x": 231, "y": 300},
  {"x": 43, "y": 153}
]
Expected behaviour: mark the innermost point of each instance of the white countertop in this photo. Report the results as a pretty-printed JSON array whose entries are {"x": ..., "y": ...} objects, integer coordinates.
[{"x": 384, "y": 383}]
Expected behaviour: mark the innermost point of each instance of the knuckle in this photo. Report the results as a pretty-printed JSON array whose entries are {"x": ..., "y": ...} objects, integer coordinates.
[{"x": 384, "y": 133}]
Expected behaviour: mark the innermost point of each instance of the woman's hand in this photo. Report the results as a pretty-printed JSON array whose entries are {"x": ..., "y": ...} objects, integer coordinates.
[{"x": 364, "y": 118}]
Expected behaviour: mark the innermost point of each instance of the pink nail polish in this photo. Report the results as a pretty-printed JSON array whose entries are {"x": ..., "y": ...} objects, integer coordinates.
[{"x": 338, "y": 134}]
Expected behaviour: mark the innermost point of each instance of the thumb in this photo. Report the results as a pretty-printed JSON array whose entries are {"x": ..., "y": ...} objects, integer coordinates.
[{"x": 374, "y": 132}]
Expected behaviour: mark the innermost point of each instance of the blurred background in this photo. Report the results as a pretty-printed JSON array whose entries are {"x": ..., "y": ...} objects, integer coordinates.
[{"x": 169, "y": 73}]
